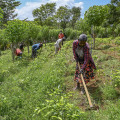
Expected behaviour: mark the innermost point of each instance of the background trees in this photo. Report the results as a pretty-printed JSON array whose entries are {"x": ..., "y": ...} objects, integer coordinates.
[
  {"x": 99, "y": 21},
  {"x": 15, "y": 33},
  {"x": 31, "y": 33},
  {"x": 95, "y": 16},
  {"x": 63, "y": 16},
  {"x": 44, "y": 14},
  {"x": 75, "y": 14},
  {"x": 8, "y": 7},
  {"x": 3, "y": 41},
  {"x": 1, "y": 16}
]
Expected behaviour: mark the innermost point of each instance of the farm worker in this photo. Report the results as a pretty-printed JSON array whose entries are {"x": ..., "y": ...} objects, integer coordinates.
[
  {"x": 81, "y": 52},
  {"x": 58, "y": 44},
  {"x": 35, "y": 47},
  {"x": 61, "y": 35},
  {"x": 18, "y": 52},
  {"x": 21, "y": 47}
]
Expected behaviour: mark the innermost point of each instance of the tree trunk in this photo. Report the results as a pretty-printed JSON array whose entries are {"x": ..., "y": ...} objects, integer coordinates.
[
  {"x": 93, "y": 41},
  {"x": 0, "y": 50},
  {"x": 45, "y": 42},
  {"x": 28, "y": 49},
  {"x": 93, "y": 35},
  {"x": 13, "y": 52}
]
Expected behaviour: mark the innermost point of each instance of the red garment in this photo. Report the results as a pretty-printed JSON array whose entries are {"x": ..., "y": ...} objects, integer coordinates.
[
  {"x": 87, "y": 74},
  {"x": 18, "y": 52},
  {"x": 61, "y": 35}
]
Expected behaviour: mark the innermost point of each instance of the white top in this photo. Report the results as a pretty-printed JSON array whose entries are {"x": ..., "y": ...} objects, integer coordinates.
[
  {"x": 58, "y": 43},
  {"x": 79, "y": 52}
]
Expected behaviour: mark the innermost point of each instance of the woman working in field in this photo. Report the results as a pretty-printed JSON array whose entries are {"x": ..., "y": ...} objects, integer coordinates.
[{"x": 83, "y": 57}]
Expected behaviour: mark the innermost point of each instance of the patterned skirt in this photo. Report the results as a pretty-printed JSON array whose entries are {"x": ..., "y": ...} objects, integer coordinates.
[{"x": 87, "y": 73}]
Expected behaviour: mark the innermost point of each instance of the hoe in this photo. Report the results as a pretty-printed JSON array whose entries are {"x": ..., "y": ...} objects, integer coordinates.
[{"x": 87, "y": 94}]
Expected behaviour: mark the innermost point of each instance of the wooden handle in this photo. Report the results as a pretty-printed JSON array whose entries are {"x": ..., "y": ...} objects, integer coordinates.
[{"x": 86, "y": 90}]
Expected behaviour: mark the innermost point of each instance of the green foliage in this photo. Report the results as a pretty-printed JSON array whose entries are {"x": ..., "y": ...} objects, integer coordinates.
[
  {"x": 8, "y": 7},
  {"x": 114, "y": 12},
  {"x": 111, "y": 113},
  {"x": 31, "y": 32},
  {"x": 96, "y": 14},
  {"x": 53, "y": 34},
  {"x": 3, "y": 40},
  {"x": 117, "y": 29},
  {"x": 72, "y": 34},
  {"x": 76, "y": 11},
  {"x": 15, "y": 31},
  {"x": 63, "y": 16},
  {"x": 116, "y": 78},
  {"x": 45, "y": 33},
  {"x": 82, "y": 26},
  {"x": 58, "y": 107},
  {"x": 44, "y": 13},
  {"x": 37, "y": 88},
  {"x": 109, "y": 92},
  {"x": 1, "y": 15},
  {"x": 117, "y": 40}
]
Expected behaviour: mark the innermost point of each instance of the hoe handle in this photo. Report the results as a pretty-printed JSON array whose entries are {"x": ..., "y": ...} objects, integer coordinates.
[{"x": 86, "y": 90}]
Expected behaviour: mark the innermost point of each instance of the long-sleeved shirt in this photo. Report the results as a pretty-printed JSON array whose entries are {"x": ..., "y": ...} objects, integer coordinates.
[
  {"x": 58, "y": 43},
  {"x": 36, "y": 46},
  {"x": 87, "y": 56}
]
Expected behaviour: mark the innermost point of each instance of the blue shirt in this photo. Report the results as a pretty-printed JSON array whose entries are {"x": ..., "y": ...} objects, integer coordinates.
[{"x": 36, "y": 46}]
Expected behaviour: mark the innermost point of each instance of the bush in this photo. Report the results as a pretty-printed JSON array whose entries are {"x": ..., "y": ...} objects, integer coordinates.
[
  {"x": 109, "y": 92},
  {"x": 116, "y": 78},
  {"x": 117, "y": 40}
]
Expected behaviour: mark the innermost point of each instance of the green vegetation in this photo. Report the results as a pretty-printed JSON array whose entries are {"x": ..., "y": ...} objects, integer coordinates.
[{"x": 43, "y": 88}]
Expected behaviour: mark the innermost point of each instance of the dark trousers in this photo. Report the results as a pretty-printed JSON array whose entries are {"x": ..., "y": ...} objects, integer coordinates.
[{"x": 34, "y": 53}]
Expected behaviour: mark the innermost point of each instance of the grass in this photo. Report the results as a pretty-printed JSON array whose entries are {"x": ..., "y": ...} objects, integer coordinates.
[{"x": 43, "y": 88}]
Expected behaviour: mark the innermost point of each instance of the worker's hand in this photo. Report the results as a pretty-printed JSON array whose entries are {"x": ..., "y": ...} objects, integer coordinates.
[
  {"x": 81, "y": 71},
  {"x": 77, "y": 68}
]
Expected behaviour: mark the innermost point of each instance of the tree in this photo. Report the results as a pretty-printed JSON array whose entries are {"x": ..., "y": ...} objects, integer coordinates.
[
  {"x": 63, "y": 16},
  {"x": 115, "y": 2},
  {"x": 15, "y": 33},
  {"x": 113, "y": 17},
  {"x": 31, "y": 33},
  {"x": 44, "y": 13},
  {"x": 82, "y": 26},
  {"x": 76, "y": 11},
  {"x": 1, "y": 16},
  {"x": 3, "y": 40},
  {"x": 8, "y": 7},
  {"x": 94, "y": 17}
]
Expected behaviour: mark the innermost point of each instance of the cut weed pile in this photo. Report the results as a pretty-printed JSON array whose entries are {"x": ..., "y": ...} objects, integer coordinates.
[{"x": 42, "y": 89}]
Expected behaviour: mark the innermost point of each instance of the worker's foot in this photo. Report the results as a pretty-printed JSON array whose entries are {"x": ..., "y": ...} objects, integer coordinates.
[
  {"x": 82, "y": 91},
  {"x": 77, "y": 88}
]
